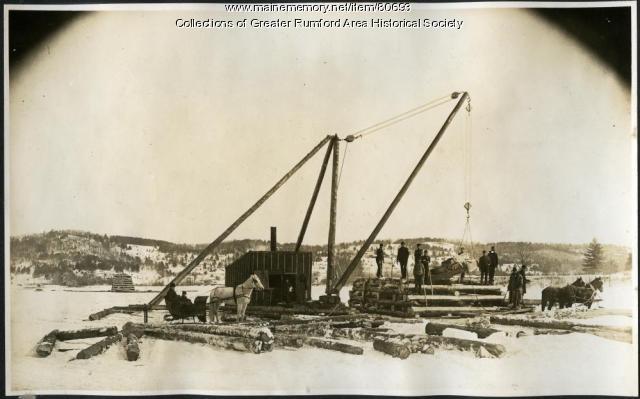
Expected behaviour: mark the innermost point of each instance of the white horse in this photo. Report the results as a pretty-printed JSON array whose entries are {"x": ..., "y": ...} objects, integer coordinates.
[{"x": 239, "y": 295}]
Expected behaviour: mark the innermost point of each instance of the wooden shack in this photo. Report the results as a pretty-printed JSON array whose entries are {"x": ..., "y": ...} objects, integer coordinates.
[{"x": 286, "y": 276}]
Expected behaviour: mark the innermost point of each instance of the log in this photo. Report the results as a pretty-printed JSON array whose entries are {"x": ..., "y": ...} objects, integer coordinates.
[
  {"x": 291, "y": 341},
  {"x": 99, "y": 347},
  {"x": 545, "y": 331},
  {"x": 220, "y": 341},
  {"x": 552, "y": 324},
  {"x": 315, "y": 329},
  {"x": 437, "y": 329},
  {"x": 46, "y": 344},
  {"x": 86, "y": 333},
  {"x": 358, "y": 334},
  {"x": 333, "y": 345},
  {"x": 464, "y": 289},
  {"x": 418, "y": 343},
  {"x": 260, "y": 333},
  {"x": 136, "y": 329},
  {"x": 394, "y": 347},
  {"x": 622, "y": 335},
  {"x": 133, "y": 349}
]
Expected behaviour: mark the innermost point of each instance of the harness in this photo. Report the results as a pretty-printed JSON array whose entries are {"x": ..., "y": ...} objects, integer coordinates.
[
  {"x": 235, "y": 297},
  {"x": 582, "y": 300}
]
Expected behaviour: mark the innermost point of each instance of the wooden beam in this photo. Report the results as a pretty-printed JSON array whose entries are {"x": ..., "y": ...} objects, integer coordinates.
[
  {"x": 331, "y": 250},
  {"x": 314, "y": 196},
  {"x": 177, "y": 279},
  {"x": 345, "y": 276}
]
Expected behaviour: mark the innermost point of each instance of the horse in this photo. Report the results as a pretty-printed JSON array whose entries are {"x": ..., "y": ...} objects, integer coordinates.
[
  {"x": 583, "y": 295},
  {"x": 576, "y": 292},
  {"x": 240, "y": 295}
]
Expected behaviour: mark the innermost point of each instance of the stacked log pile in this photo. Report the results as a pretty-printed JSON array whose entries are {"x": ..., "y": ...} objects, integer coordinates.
[{"x": 394, "y": 297}]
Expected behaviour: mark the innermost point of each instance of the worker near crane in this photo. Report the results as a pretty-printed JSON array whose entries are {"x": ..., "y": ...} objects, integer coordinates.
[
  {"x": 518, "y": 284},
  {"x": 418, "y": 272},
  {"x": 379, "y": 260},
  {"x": 417, "y": 254},
  {"x": 512, "y": 282},
  {"x": 403, "y": 258},
  {"x": 493, "y": 263},
  {"x": 523, "y": 272},
  {"x": 483, "y": 264}
]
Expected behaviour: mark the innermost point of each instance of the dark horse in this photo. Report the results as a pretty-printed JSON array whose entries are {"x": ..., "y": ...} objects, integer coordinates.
[{"x": 577, "y": 292}]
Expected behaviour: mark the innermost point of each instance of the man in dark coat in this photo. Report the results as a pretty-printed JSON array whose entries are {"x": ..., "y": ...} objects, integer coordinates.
[
  {"x": 417, "y": 254},
  {"x": 523, "y": 271},
  {"x": 512, "y": 279},
  {"x": 379, "y": 260},
  {"x": 517, "y": 290},
  {"x": 403, "y": 259},
  {"x": 171, "y": 295},
  {"x": 483, "y": 264},
  {"x": 493, "y": 263},
  {"x": 418, "y": 274}
]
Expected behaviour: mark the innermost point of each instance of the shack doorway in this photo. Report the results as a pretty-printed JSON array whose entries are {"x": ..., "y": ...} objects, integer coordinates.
[{"x": 285, "y": 287}]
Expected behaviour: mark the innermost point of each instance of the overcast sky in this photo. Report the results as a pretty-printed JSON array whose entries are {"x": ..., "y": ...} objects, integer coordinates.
[{"x": 123, "y": 124}]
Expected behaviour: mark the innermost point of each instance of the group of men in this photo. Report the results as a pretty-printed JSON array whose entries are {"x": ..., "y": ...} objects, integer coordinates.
[
  {"x": 420, "y": 270},
  {"x": 488, "y": 264},
  {"x": 517, "y": 286}
]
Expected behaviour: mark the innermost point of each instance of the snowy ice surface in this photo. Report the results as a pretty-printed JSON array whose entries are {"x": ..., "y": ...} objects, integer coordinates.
[{"x": 534, "y": 365}]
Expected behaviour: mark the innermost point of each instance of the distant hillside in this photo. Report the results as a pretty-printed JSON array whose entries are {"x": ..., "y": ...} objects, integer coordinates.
[{"x": 76, "y": 258}]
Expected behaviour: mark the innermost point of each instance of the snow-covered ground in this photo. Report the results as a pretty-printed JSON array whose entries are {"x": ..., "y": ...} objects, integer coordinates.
[{"x": 534, "y": 365}]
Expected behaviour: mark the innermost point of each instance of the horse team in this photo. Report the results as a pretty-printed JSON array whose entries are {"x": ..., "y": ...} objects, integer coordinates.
[{"x": 577, "y": 292}]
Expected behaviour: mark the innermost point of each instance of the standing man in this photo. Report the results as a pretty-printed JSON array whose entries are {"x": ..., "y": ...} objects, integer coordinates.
[
  {"x": 379, "y": 260},
  {"x": 418, "y": 272},
  {"x": 426, "y": 259},
  {"x": 512, "y": 282},
  {"x": 403, "y": 259},
  {"x": 523, "y": 271},
  {"x": 517, "y": 290},
  {"x": 417, "y": 254},
  {"x": 493, "y": 263},
  {"x": 483, "y": 264}
]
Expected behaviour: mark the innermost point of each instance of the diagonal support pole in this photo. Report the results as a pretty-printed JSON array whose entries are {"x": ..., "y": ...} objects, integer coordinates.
[
  {"x": 331, "y": 245},
  {"x": 180, "y": 276},
  {"x": 314, "y": 196},
  {"x": 345, "y": 276}
]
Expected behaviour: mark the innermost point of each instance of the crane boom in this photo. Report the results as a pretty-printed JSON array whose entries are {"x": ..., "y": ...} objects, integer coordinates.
[{"x": 352, "y": 266}]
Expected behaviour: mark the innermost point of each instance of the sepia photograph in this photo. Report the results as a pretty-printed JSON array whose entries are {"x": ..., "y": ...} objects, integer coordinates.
[{"x": 391, "y": 199}]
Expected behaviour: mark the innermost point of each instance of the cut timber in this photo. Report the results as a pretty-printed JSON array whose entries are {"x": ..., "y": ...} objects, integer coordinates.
[
  {"x": 133, "y": 349},
  {"x": 622, "y": 334},
  {"x": 333, "y": 345},
  {"x": 260, "y": 333},
  {"x": 234, "y": 343},
  {"x": 552, "y": 324},
  {"x": 359, "y": 334},
  {"x": 86, "y": 333},
  {"x": 136, "y": 329},
  {"x": 545, "y": 331},
  {"x": 437, "y": 329},
  {"x": 290, "y": 341},
  {"x": 418, "y": 343},
  {"x": 391, "y": 346},
  {"x": 99, "y": 347},
  {"x": 46, "y": 344},
  {"x": 315, "y": 329}
]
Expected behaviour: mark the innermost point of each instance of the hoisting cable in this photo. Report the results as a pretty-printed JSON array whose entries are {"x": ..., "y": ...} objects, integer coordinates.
[
  {"x": 400, "y": 117},
  {"x": 344, "y": 156}
]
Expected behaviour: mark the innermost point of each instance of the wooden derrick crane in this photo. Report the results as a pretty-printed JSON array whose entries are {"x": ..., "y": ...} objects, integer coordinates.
[{"x": 334, "y": 282}]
